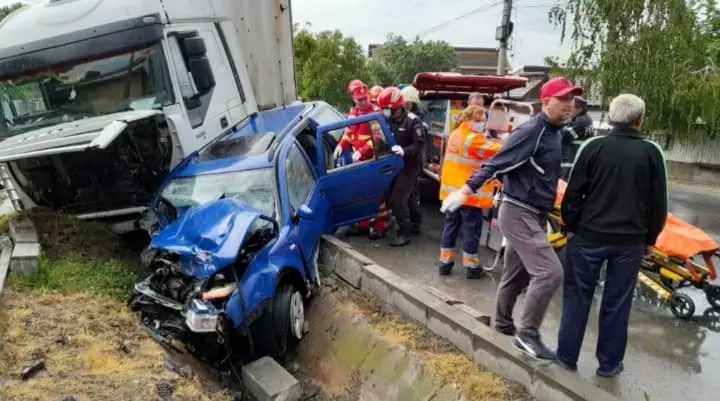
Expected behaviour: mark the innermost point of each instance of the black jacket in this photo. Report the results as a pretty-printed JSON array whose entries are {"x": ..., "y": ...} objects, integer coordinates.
[
  {"x": 529, "y": 165},
  {"x": 410, "y": 135},
  {"x": 579, "y": 129},
  {"x": 617, "y": 193}
]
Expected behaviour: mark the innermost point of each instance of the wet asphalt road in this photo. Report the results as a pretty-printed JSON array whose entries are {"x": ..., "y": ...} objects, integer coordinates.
[{"x": 666, "y": 358}]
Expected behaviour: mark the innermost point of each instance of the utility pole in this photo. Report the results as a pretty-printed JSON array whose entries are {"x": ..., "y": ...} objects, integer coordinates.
[{"x": 502, "y": 34}]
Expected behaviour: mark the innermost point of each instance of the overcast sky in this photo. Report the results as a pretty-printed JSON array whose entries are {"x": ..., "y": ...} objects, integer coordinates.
[{"x": 369, "y": 21}]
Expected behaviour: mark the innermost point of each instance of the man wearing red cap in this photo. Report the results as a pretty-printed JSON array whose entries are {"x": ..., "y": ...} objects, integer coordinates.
[
  {"x": 358, "y": 140},
  {"x": 529, "y": 165}
]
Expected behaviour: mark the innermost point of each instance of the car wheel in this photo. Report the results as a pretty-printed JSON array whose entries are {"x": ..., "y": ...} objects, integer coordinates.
[{"x": 281, "y": 326}]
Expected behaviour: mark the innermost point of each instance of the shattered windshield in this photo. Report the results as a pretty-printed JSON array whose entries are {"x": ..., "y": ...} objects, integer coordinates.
[
  {"x": 136, "y": 80},
  {"x": 254, "y": 187}
]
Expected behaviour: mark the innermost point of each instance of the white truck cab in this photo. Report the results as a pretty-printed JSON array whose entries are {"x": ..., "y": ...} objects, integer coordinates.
[{"x": 99, "y": 99}]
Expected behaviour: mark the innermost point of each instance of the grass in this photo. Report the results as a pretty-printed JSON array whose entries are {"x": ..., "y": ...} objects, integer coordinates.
[
  {"x": 78, "y": 257},
  {"x": 72, "y": 314}
]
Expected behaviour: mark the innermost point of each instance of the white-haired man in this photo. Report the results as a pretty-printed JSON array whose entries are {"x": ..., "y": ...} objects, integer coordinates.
[{"x": 615, "y": 204}]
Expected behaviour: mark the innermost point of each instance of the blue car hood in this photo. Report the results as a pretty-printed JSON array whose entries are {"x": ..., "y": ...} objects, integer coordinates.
[{"x": 208, "y": 237}]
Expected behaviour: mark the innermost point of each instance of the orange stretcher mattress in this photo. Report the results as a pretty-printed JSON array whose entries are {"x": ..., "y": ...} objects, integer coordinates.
[{"x": 678, "y": 239}]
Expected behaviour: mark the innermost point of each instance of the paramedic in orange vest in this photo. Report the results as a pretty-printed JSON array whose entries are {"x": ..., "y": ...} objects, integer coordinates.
[
  {"x": 468, "y": 147},
  {"x": 358, "y": 139}
]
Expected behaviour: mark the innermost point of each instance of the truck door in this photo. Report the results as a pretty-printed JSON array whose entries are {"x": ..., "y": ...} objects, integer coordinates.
[
  {"x": 354, "y": 192},
  {"x": 200, "y": 56}
]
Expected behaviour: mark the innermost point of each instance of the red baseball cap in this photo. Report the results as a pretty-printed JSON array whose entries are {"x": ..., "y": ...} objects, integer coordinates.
[{"x": 559, "y": 87}]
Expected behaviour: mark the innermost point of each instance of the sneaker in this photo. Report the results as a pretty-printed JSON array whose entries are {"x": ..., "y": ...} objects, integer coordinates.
[
  {"x": 610, "y": 373},
  {"x": 475, "y": 273},
  {"x": 506, "y": 331},
  {"x": 532, "y": 345},
  {"x": 566, "y": 365}
]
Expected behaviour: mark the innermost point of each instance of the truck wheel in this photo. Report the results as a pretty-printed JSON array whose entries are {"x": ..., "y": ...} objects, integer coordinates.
[{"x": 281, "y": 326}]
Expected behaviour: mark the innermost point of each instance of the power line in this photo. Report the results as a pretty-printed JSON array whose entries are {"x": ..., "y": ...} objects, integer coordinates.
[{"x": 479, "y": 10}]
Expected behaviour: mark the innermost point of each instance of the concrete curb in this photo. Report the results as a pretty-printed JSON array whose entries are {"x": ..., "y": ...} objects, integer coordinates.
[{"x": 457, "y": 323}]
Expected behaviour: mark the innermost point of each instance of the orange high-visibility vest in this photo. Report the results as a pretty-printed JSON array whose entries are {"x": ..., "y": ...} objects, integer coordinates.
[{"x": 466, "y": 151}]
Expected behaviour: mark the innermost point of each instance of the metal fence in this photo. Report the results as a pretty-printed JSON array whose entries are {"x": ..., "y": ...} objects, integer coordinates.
[{"x": 706, "y": 153}]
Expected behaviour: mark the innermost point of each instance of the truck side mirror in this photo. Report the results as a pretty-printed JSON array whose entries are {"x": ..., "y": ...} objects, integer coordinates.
[
  {"x": 194, "y": 52},
  {"x": 202, "y": 74}
]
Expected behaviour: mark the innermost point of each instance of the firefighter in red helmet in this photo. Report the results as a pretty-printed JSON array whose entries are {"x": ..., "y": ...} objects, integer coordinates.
[
  {"x": 410, "y": 136},
  {"x": 359, "y": 140}
]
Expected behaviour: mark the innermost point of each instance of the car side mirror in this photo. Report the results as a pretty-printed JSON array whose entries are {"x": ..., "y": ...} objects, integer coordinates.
[{"x": 304, "y": 212}]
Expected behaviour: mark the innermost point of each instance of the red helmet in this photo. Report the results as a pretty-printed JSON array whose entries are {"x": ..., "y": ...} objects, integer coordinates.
[
  {"x": 375, "y": 92},
  {"x": 355, "y": 84},
  {"x": 391, "y": 98}
]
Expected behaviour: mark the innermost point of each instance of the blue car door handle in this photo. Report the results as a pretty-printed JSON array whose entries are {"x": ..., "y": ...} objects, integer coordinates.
[{"x": 387, "y": 170}]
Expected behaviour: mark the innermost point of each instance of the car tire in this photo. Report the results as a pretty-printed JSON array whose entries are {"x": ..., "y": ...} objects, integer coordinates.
[{"x": 281, "y": 326}]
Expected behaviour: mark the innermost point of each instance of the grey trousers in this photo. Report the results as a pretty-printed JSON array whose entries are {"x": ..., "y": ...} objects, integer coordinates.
[{"x": 530, "y": 262}]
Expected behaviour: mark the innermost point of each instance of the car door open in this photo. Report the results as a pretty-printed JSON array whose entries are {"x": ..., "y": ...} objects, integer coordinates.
[{"x": 354, "y": 191}]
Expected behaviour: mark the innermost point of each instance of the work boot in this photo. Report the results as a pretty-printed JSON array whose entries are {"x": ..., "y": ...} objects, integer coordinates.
[
  {"x": 401, "y": 239},
  {"x": 472, "y": 273},
  {"x": 445, "y": 268}
]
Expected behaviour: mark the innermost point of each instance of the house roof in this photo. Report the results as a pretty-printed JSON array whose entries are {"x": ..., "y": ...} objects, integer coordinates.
[{"x": 468, "y": 57}]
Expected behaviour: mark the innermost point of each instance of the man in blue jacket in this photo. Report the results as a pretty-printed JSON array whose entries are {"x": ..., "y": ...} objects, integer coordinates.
[{"x": 529, "y": 165}]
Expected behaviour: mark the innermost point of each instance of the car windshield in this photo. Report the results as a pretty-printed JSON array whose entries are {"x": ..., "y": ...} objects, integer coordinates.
[
  {"x": 136, "y": 80},
  {"x": 254, "y": 187}
]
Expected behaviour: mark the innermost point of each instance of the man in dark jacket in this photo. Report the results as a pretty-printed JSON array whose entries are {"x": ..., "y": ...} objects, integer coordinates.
[
  {"x": 616, "y": 206},
  {"x": 529, "y": 165},
  {"x": 410, "y": 137},
  {"x": 579, "y": 129}
]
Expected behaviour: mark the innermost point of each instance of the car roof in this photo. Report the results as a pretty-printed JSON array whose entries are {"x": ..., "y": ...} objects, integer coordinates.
[{"x": 250, "y": 144}]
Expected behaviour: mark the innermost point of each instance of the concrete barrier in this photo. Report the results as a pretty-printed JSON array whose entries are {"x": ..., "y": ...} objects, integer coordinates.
[
  {"x": 457, "y": 323},
  {"x": 351, "y": 359},
  {"x": 6, "y": 249},
  {"x": 26, "y": 252}
]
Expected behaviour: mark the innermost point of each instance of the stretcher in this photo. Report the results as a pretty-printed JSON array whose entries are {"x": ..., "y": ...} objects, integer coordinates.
[{"x": 673, "y": 263}]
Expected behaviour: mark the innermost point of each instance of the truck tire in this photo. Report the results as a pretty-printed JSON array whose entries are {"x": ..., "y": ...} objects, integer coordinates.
[{"x": 280, "y": 327}]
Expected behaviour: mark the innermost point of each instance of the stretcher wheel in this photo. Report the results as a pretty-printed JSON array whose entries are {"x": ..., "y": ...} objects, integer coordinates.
[
  {"x": 712, "y": 319},
  {"x": 681, "y": 305},
  {"x": 712, "y": 293}
]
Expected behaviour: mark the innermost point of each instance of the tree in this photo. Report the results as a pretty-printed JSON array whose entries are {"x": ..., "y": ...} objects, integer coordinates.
[
  {"x": 397, "y": 60},
  {"x": 325, "y": 63},
  {"x": 662, "y": 50},
  {"x": 5, "y": 10}
]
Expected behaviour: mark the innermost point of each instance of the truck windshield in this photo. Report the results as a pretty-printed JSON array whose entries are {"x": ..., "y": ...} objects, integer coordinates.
[
  {"x": 254, "y": 187},
  {"x": 136, "y": 80}
]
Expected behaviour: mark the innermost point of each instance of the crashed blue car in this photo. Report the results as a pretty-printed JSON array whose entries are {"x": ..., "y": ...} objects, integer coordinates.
[{"x": 235, "y": 242}]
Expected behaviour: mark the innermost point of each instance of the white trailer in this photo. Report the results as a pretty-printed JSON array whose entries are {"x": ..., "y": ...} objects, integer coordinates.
[{"x": 101, "y": 98}]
